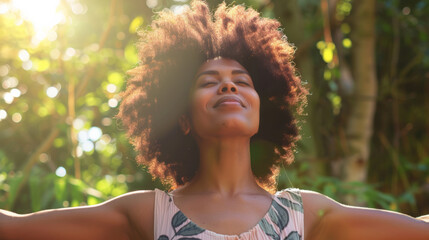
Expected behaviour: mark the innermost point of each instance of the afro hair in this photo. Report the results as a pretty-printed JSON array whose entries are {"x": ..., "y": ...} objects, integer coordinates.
[{"x": 172, "y": 49}]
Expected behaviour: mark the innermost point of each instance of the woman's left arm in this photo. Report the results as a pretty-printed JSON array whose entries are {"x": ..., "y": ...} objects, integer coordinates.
[{"x": 329, "y": 219}]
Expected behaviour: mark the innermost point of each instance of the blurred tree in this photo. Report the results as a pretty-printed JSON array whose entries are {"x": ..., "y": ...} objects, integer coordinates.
[{"x": 360, "y": 103}]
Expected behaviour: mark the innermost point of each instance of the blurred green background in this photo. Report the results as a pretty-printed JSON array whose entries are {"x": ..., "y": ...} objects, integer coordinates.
[{"x": 365, "y": 131}]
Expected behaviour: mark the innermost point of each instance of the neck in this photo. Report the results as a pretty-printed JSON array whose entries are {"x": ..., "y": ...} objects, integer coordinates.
[{"x": 225, "y": 167}]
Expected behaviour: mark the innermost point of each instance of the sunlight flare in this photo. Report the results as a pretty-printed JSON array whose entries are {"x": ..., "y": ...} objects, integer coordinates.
[{"x": 43, "y": 15}]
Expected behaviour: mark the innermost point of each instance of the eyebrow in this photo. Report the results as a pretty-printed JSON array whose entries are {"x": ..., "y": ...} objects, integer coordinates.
[{"x": 214, "y": 72}]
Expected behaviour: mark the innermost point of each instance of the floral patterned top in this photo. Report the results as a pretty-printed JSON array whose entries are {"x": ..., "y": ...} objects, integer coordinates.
[{"x": 283, "y": 221}]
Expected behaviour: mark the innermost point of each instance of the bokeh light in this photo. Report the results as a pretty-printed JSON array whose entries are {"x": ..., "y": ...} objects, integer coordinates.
[
  {"x": 112, "y": 103},
  {"x": 69, "y": 53},
  {"x": 406, "y": 11},
  {"x": 106, "y": 121},
  {"x": 87, "y": 146},
  {"x": 23, "y": 55},
  {"x": 52, "y": 92},
  {"x": 15, "y": 92},
  {"x": 87, "y": 138},
  {"x": 94, "y": 133},
  {"x": 78, "y": 8},
  {"x": 79, "y": 151},
  {"x": 27, "y": 65},
  {"x": 151, "y": 3},
  {"x": 8, "y": 97},
  {"x": 78, "y": 123},
  {"x": 178, "y": 9},
  {"x": 16, "y": 117},
  {"x": 43, "y": 157},
  {"x": 60, "y": 172},
  {"x": 3, "y": 114},
  {"x": 82, "y": 136},
  {"x": 111, "y": 88},
  {"x": 4, "y": 70},
  {"x": 10, "y": 82},
  {"x": 4, "y": 8}
]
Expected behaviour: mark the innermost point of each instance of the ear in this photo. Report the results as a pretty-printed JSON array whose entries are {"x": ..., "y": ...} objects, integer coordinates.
[{"x": 185, "y": 124}]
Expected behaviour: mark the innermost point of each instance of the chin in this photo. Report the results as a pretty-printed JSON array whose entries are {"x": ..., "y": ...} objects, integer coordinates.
[{"x": 236, "y": 128}]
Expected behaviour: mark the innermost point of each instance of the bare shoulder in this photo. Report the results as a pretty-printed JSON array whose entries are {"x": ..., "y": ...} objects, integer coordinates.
[
  {"x": 316, "y": 207},
  {"x": 142, "y": 197},
  {"x": 139, "y": 208},
  {"x": 317, "y": 200}
]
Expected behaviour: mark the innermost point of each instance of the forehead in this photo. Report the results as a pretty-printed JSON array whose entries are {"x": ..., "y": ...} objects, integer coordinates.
[{"x": 220, "y": 64}]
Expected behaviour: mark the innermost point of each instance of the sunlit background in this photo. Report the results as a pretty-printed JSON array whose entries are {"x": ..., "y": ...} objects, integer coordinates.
[
  {"x": 63, "y": 65},
  {"x": 43, "y": 15}
]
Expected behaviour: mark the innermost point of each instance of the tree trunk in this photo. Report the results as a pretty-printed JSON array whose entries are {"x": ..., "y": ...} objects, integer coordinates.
[{"x": 361, "y": 105}]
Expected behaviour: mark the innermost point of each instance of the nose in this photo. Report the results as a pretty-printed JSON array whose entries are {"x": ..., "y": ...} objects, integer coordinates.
[{"x": 227, "y": 87}]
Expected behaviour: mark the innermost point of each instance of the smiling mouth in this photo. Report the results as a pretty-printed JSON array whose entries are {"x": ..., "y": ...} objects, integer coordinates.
[{"x": 229, "y": 100}]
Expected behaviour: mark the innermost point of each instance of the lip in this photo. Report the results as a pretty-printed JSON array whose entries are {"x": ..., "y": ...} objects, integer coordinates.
[{"x": 228, "y": 99}]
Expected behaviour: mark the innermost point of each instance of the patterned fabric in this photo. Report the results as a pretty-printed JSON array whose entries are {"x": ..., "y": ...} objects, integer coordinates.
[{"x": 283, "y": 221}]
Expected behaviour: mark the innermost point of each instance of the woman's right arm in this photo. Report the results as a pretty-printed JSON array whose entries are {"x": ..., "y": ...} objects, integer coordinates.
[{"x": 129, "y": 216}]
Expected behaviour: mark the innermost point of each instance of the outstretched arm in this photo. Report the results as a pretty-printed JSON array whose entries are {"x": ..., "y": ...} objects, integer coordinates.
[
  {"x": 327, "y": 219},
  {"x": 126, "y": 217}
]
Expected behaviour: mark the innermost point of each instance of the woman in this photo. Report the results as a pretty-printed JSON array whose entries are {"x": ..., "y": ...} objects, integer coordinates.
[{"x": 210, "y": 111}]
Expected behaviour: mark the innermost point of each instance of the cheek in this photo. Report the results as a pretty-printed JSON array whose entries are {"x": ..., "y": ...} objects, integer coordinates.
[
  {"x": 256, "y": 105},
  {"x": 255, "y": 102},
  {"x": 199, "y": 102},
  {"x": 198, "y": 108}
]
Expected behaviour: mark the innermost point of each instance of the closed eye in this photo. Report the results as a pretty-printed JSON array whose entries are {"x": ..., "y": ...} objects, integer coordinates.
[
  {"x": 208, "y": 84},
  {"x": 243, "y": 83}
]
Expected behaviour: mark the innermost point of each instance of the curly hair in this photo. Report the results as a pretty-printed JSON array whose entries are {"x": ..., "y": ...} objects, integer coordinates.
[{"x": 172, "y": 49}]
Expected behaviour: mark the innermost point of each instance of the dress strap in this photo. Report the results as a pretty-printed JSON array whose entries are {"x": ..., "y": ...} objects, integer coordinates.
[{"x": 161, "y": 207}]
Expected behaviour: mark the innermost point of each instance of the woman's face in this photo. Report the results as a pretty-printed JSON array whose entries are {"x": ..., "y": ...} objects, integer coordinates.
[{"x": 224, "y": 102}]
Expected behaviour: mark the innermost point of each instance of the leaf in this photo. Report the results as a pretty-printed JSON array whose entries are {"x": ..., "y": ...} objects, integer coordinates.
[
  {"x": 293, "y": 236},
  {"x": 76, "y": 192},
  {"x": 178, "y": 219},
  {"x": 292, "y": 205},
  {"x": 273, "y": 216},
  {"x": 60, "y": 189},
  {"x": 163, "y": 237},
  {"x": 190, "y": 229},
  {"x": 296, "y": 196},
  {"x": 14, "y": 182},
  {"x": 48, "y": 196},
  {"x": 282, "y": 215},
  {"x": 268, "y": 229}
]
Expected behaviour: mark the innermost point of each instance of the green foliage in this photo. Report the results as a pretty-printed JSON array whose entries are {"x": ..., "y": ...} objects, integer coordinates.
[
  {"x": 365, "y": 193},
  {"x": 66, "y": 84}
]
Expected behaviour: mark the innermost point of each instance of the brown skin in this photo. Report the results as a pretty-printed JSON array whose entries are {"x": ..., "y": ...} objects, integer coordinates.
[
  {"x": 224, "y": 196},
  {"x": 224, "y": 189},
  {"x": 129, "y": 216}
]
